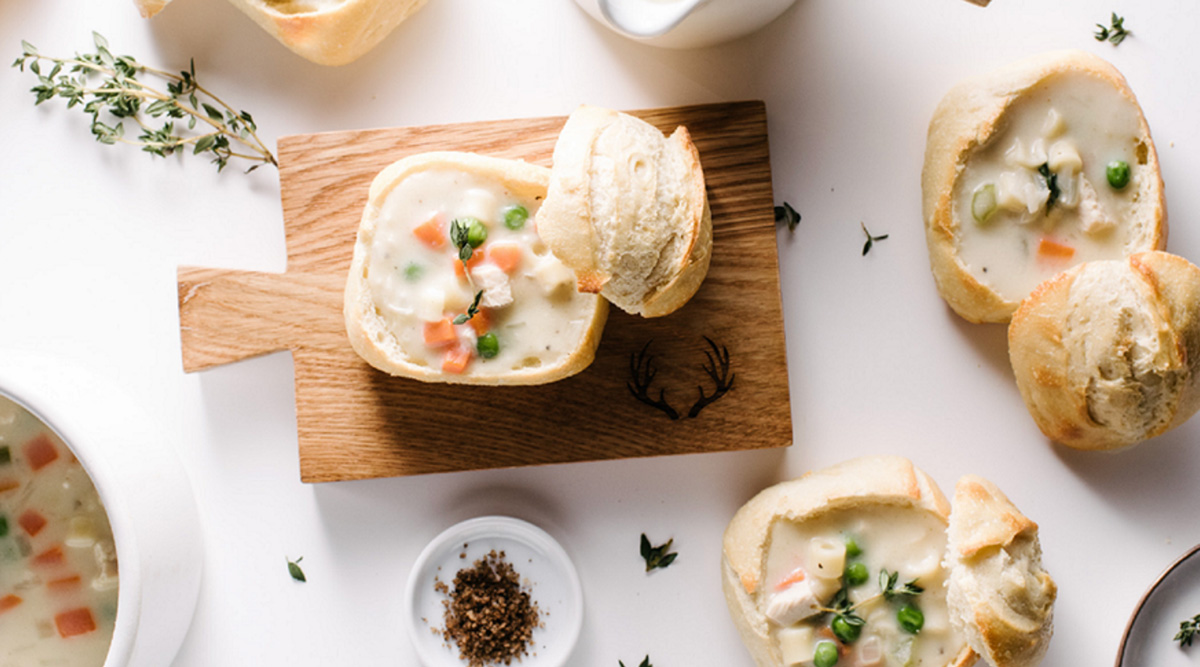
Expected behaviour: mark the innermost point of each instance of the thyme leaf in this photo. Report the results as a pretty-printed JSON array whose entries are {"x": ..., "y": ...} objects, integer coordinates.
[
  {"x": 1115, "y": 34},
  {"x": 645, "y": 662},
  {"x": 657, "y": 557},
  {"x": 1051, "y": 183},
  {"x": 787, "y": 215},
  {"x": 1187, "y": 631},
  {"x": 870, "y": 239},
  {"x": 472, "y": 310},
  {"x": 294, "y": 569},
  {"x": 115, "y": 90}
]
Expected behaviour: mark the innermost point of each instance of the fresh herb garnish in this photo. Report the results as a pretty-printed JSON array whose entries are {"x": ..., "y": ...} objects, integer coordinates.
[
  {"x": 657, "y": 557},
  {"x": 472, "y": 310},
  {"x": 1187, "y": 631},
  {"x": 120, "y": 95},
  {"x": 1051, "y": 179},
  {"x": 888, "y": 582},
  {"x": 5, "y": 456},
  {"x": 3, "y": 526},
  {"x": 787, "y": 215},
  {"x": 645, "y": 662},
  {"x": 1116, "y": 33},
  {"x": 870, "y": 239},
  {"x": 294, "y": 569}
]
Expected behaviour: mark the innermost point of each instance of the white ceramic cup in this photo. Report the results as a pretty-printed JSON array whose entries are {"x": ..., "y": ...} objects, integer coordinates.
[
  {"x": 684, "y": 24},
  {"x": 146, "y": 494}
]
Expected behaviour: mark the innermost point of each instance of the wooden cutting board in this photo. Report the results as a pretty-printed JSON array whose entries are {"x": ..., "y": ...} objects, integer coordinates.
[{"x": 355, "y": 422}]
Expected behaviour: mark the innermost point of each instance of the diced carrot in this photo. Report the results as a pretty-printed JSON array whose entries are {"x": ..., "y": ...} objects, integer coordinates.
[
  {"x": 8, "y": 602},
  {"x": 50, "y": 557},
  {"x": 440, "y": 333},
  {"x": 481, "y": 322},
  {"x": 1054, "y": 249},
  {"x": 476, "y": 258},
  {"x": 456, "y": 359},
  {"x": 64, "y": 584},
  {"x": 8, "y": 484},
  {"x": 432, "y": 232},
  {"x": 507, "y": 256},
  {"x": 75, "y": 622},
  {"x": 32, "y": 522},
  {"x": 796, "y": 576},
  {"x": 40, "y": 452}
]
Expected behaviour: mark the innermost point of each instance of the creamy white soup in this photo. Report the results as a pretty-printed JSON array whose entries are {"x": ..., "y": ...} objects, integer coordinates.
[
  {"x": 58, "y": 564},
  {"x": 860, "y": 589},
  {"x": 1054, "y": 187},
  {"x": 510, "y": 305}
]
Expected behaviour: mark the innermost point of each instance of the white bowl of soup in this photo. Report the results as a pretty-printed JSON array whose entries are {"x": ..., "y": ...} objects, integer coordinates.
[{"x": 100, "y": 544}]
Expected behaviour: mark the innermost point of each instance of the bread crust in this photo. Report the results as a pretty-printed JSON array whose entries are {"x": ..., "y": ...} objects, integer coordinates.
[
  {"x": 364, "y": 326},
  {"x": 965, "y": 121},
  {"x": 880, "y": 481},
  {"x": 332, "y": 36},
  {"x": 992, "y": 544},
  {"x": 1064, "y": 394},
  {"x": 680, "y": 240},
  {"x": 148, "y": 8}
]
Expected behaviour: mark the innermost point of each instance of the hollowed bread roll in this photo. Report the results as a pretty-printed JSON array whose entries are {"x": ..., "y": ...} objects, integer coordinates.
[
  {"x": 1000, "y": 598},
  {"x": 510, "y": 316},
  {"x": 628, "y": 211},
  {"x": 1032, "y": 169},
  {"x": 897, "y": 517},
  {"x": 148, "y": 8},
  {"x": 328, "y": 32},
  {"x": 1107, "y": 354}
]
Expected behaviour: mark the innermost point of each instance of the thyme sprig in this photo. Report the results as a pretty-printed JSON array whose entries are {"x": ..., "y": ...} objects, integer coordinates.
[
  {"x": 645, "y": 662},
  {"x": 1187, "y": 631},
  {"x": 870, "y": 239},
  {"x": 889, "y": 588},
  {"x": 787, "y": 215},
  {"x": 657, "y": 557},
  {"x": 1116, "y": 33},
  {"x": 294, "y": 569},
  {"x": 472, "y": 310},
  {"x": 109, "y": 89}
]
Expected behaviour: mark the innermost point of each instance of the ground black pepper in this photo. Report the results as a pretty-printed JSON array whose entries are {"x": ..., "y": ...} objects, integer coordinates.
[{"x": 489, "y": 615}]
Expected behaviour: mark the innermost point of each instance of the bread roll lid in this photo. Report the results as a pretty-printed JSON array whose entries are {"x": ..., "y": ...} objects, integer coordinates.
[{"x": 1010, "y": 625}]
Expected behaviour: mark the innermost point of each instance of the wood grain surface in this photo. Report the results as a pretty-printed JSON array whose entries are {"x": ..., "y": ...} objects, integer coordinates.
[{"x": 355, "y": 422}]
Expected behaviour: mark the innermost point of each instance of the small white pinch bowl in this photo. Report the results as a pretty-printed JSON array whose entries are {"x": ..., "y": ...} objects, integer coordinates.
[
  {"x": 684, "y": 24},
  {"x": 538, "y": 559},
  {"x": 145, "y": 492}
]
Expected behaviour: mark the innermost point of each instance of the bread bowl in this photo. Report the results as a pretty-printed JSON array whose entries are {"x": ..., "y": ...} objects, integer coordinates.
[
  {"x": 627, "y": 210},
  {"x": 793, "y": 551},
  {"x": 148, "y": 8},
  {"x": 1017, "y": 186},
  {"x": 508, "y": 314},
  {"x": 1107, "y": 354},
  {"x": 328, "y": 32}
]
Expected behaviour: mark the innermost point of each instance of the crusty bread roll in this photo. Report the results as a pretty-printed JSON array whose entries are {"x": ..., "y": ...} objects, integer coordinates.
[
  {"x": 148, "y": 8},
  {"x": 329, "y": 32},
  {"x": 872, "y": 484},
  {"x": 408, "y": 283},
  {"x": 628, "y": 211},
  {"x": 1000, "y": 598},
  {"x": 1016, "y": 185},
  {"x": 1107, "y": 355}
]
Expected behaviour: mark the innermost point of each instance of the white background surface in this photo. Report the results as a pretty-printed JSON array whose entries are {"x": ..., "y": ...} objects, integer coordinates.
[{"x": 90, "y": 237}]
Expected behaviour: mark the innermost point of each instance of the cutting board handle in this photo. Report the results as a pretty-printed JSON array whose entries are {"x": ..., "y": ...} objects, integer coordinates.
[{"x": 227, "y": 316}]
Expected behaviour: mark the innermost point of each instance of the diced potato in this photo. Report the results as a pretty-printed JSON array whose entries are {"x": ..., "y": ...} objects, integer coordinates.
[
  {"x": 431, "y": 304},
  {"x": 828, "y": 558},
  {"x": 870, "y": 652},
  {"x": 1022, "y": 190},
  {"x": 1054, "y": 125},
  {"x": 81, "y": 533},
  {"x": 481, "y": 204},
  {"x": 1032, "y": 157},
  {"x": 797, "y": 644},
  {"x": 552, "y": 274},
  {"x": 1063, "y": 156}
]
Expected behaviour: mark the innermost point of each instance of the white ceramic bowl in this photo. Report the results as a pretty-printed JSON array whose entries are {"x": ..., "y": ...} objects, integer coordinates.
[
  {"x": 684, "y": 24},
  {"x": 536, "y": 557},
  {"x": 145, "y": 491}
]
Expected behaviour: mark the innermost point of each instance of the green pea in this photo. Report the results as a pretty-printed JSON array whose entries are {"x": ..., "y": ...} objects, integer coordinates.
[
  {"x": 825, "y": 655},
  {"x": 488, "y": 345},
  {"x": 852, "y": 548},
  {"x": 1118, "y": 174},
  {"x": 856, "y": 574},
  {"x": 910, "y": 618},
  {"x": 413, "y": 272},
  {"x": 845, "y": 630},
  {"x": 515, "y": 217},
  {"x": 476, "y": 233}
]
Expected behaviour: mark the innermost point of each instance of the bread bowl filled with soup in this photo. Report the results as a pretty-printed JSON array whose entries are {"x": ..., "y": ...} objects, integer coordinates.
[{"x": 100, "y": 548}]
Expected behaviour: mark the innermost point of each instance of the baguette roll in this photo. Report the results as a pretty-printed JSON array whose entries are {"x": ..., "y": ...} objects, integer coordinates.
[
  {"x": 628, "y": 212},
  {"x": 1031, "y": 169},
  {"x": 1107, "y": 354},
  {"x": 507, "y": 315}
]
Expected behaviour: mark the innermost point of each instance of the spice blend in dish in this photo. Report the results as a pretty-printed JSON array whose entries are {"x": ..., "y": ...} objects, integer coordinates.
[
  {"x": 490, "y": 615},
  {"x": 451, "y": 283},
  {"x": 1030, "y": 170},
  {"x": 58, "y": 565}
]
